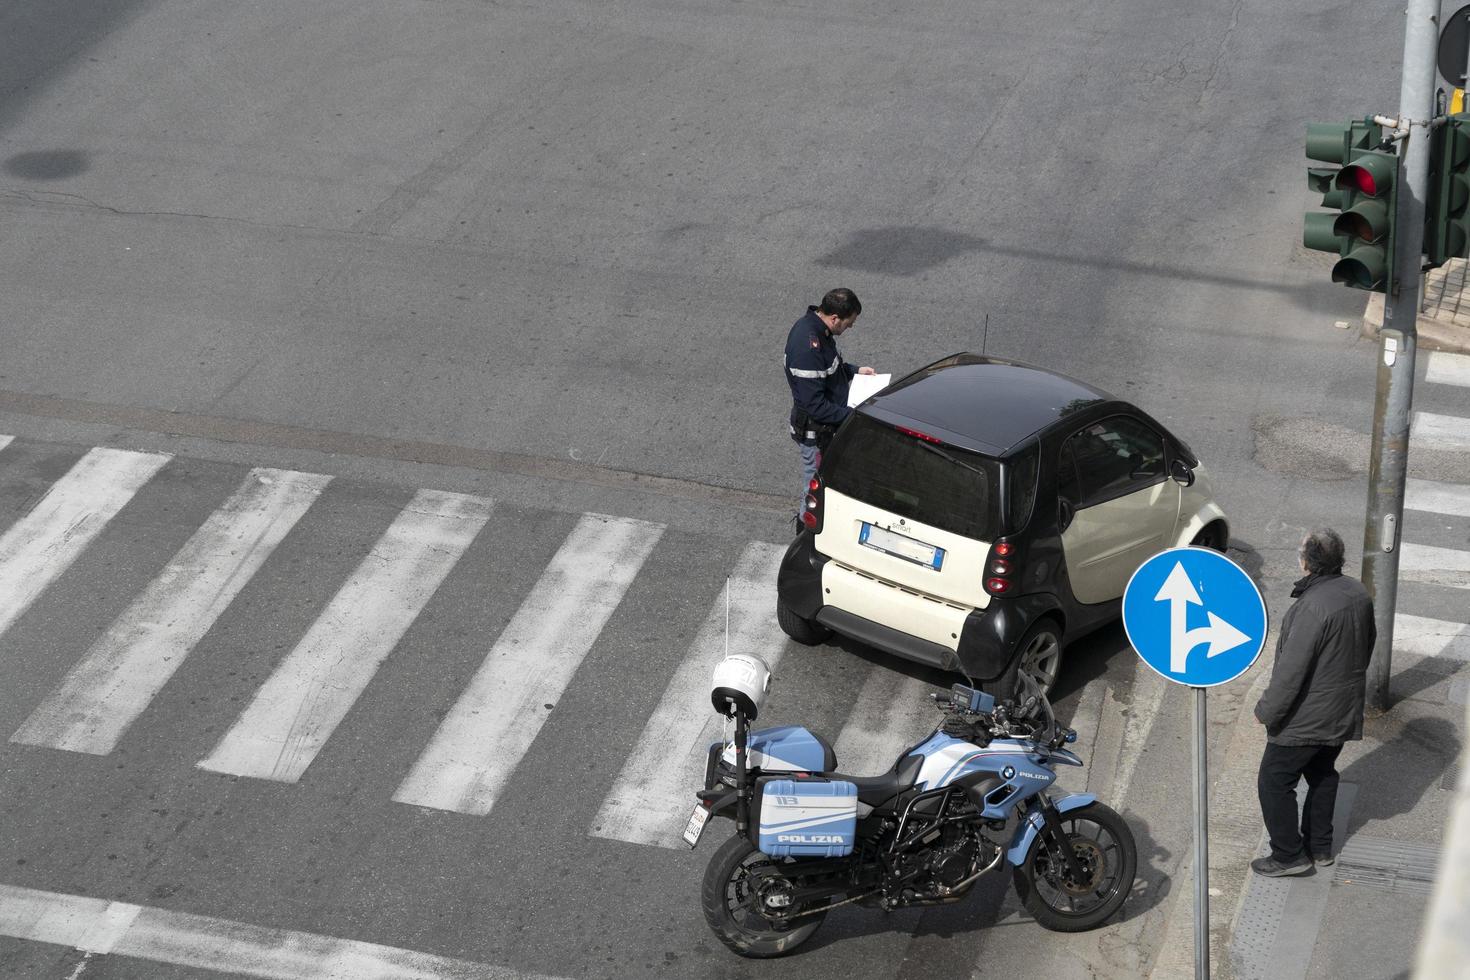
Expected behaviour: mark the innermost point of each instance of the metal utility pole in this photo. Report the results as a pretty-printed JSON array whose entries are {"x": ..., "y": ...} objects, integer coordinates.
[{"x": 1398, "y": 341}]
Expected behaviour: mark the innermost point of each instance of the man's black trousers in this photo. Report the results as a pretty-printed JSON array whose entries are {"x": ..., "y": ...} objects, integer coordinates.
[{"x": 1281, "y": 767}]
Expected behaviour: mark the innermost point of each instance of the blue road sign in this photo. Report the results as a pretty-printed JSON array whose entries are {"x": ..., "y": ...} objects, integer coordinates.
[{"x": 1195, "y": 616}]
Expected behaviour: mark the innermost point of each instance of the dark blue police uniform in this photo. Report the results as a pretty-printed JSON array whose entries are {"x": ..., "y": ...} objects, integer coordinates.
[{"x": 819, "y": 379}]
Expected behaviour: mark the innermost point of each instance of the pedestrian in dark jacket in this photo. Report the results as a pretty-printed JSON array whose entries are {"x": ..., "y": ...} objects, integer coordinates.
[
  {"x": 1313, "y": 705},
  {"x": 819, "y": 378}
]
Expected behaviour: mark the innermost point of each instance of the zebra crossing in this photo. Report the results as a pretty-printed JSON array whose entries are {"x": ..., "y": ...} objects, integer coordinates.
[
  {"x": 1435, "y": 557},
  {"x": 291, "y": 714}
]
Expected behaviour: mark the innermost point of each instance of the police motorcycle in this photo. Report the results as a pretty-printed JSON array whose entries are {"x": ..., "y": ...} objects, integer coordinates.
[{"x": 952, "y": 809}]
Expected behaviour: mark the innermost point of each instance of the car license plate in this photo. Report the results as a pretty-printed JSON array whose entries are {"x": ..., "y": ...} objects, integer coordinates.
[
  {"x": 695, "y": 828},
  {"x": 900, "y": 546}
]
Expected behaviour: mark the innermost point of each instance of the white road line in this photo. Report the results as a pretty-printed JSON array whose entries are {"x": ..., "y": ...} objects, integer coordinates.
[
  {"x": 200, "y": 942},
  {"x": 1437, "y": 498},
  {"x": 301, "y": 704},
  {"x": 6, "y": 440},
  {"x": 44, "y": 543},
  {"x": 123, "y": 671},
  {"x": 1446, "y": 368},
  {"x": 892, "y": 713},
  {"x": 1433, "y": 431},
  {"x": 654, "y": 793},
  {"x": 1085, "y": 721},
  {"x": 1435, "y": 565},
  {"x": 1147, "y": 696},
  {"x": 492, "y": 725},
  {"x": 1427, "y": 637}
]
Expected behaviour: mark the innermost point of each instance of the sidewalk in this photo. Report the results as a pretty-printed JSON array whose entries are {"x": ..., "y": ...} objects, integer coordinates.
[
  {"x": 1363, "y": 917},
  {"x": 1444, "y": 309}
]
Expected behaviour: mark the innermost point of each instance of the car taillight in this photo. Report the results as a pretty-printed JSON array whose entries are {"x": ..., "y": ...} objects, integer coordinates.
[
  {"x": 999, "y": 569},
  {"x": 811, "y": 513}
]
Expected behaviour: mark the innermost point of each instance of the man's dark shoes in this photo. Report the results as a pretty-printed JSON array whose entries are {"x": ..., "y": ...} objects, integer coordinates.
[
  {"x": 1272, "y": 868},
  {"x": 1324, "y": 860}
]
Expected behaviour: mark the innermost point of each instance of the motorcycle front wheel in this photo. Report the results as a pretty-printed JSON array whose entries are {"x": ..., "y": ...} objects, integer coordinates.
[
  {"x": 1109, "y": 858},
  {"x": 738, "y": 884}
]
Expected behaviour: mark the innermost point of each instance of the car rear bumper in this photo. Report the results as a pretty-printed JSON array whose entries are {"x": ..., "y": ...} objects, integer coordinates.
[{"x": 987, "y": 642}]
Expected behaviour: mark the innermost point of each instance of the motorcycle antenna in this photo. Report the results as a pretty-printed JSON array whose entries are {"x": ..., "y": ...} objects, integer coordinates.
[{"x": 727, "y": 617}]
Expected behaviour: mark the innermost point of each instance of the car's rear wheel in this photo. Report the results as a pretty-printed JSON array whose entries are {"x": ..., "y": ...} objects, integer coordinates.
[
  {"x": 803, "y": 631},
  {"x": 1211, "y": 536},
  {"x": 1039, "y": 657}
]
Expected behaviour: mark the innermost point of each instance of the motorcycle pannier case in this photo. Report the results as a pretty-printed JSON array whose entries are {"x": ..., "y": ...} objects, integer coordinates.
[{"x": 807, "y": 817}]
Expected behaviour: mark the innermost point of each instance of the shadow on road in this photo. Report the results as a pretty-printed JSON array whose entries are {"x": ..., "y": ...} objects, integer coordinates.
[
  {"x": 906, "y": 250},
  {"x": 1152, "y": 885},
  {"x": 1396, "y": 773}
]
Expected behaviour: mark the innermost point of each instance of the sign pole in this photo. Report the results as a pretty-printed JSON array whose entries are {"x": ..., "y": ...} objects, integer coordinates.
[
  {"x": 1157, "y": 610},
  {"x": 1201, "y": 843}
]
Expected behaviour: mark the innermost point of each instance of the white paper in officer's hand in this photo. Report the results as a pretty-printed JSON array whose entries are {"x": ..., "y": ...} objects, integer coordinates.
[{"x": 865, "y": 386}]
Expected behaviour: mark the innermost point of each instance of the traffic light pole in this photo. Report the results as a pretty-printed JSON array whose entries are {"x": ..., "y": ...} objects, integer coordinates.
[{"x": 1398, "y": 341}]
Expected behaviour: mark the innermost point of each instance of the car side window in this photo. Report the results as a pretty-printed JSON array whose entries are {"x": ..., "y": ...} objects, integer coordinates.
[
  {"x": 1114, "y": 457},
  {"x": 1068, "y": 485},
  {"x": 1021, "y": 489}
]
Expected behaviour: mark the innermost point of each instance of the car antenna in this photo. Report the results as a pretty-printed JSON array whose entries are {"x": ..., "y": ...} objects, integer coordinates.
[{"x": 985, "y": 337}]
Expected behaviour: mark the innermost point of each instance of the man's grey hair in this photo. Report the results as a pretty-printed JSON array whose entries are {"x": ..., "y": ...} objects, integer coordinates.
[{"x": 1322, "y": 552}]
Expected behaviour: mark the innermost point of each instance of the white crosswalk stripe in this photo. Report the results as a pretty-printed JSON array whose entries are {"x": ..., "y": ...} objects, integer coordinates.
[
  {"x": 481, "y": 741},
  {"x": 654, "y": 792},
  {"x": 301, "y": 704},
  {"x": 127, "y": 666},
  {"x": 200, "y": 942},
  {"x": 1426, "y": 637},
  {"x": 1447, "y": 368},
  {"x": 6, "y": 440},
  {"x": 1436, "y": 497},
  {"x": 1435, "y": 565},
  {"x": 892, "y": 713},
  {"x": 44, "y": 543},
  {"x": 1443, "y": 432}
]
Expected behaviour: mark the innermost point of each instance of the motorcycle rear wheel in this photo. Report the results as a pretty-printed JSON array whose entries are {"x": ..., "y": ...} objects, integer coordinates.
[
  {"x": 732, "y": 904},
  {"x": 1104, "y": 846}
]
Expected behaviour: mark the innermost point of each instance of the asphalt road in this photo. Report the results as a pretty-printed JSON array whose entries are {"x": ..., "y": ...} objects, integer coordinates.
[{"x": 546, "y": 254}]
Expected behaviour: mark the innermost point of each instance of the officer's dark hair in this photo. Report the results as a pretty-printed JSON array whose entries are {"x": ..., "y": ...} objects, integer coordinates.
[
  {"x": 841, "y": 303},
  {"x": 1322, "y": 552}
]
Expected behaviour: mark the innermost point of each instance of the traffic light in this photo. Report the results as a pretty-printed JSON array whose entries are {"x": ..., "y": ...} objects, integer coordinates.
[
  {"x": 1363, "y": 189},
  {"x": 1447, "y": 210}
]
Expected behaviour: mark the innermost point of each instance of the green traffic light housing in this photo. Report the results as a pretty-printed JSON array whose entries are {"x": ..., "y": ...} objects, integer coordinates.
[
  {"x": 1447, "y": 208},
  {"x": 1364, "y": 267},
  {"x": 1363, "y": 191},
  {"x": 1366, "y": 221},
  {"x": 1371, "y": 172}
]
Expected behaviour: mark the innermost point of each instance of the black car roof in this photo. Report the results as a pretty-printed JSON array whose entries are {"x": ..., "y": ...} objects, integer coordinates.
[{"x": 982, "y": 403}]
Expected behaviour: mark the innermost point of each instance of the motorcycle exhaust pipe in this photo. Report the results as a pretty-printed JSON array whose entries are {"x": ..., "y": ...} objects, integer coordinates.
[{"x": 955, "y": 889}]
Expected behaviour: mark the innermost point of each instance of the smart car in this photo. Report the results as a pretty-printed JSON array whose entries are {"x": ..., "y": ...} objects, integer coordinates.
[{"x": 980, "y": 514}]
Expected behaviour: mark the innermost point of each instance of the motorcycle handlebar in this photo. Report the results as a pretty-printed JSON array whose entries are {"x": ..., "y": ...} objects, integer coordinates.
[{"x": 971, "y": 701}]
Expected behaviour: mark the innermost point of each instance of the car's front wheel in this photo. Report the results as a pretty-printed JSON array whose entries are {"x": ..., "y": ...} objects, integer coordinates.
[
  {"x": 1211, "y": 536},
  {"x": 804, "y": 631}
]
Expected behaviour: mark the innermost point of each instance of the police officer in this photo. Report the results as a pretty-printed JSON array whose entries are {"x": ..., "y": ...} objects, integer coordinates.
[{"x": 819, "y": 378}]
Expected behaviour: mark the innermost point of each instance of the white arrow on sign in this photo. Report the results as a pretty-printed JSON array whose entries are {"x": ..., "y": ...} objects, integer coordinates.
[{"x": 1179, "y": 592}]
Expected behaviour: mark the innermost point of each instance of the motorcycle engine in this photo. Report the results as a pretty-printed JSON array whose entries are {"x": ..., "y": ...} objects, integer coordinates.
[{"x": 949, "y": 860}]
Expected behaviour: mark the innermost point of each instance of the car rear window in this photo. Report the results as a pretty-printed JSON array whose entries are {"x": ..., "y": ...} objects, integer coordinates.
[{"x": 950, "y": 488}]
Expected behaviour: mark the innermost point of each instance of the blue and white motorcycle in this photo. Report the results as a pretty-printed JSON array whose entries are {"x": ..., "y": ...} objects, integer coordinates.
[{"x": 969, "y": 798}]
